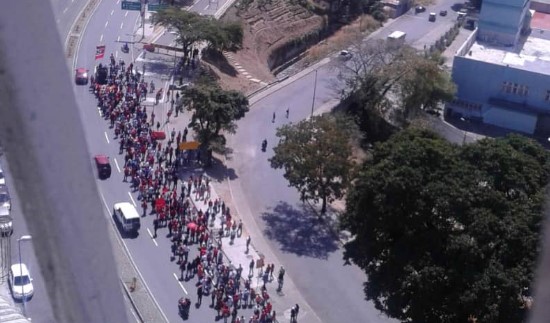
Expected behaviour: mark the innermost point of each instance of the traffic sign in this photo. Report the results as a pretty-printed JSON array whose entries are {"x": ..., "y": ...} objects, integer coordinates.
[
  {"x": 130, "y": 5},
  {"x": 157, "y": 7}
]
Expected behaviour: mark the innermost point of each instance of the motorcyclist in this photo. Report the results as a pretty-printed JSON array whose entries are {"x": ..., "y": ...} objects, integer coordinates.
[
  {"x": 264, "y": 144},
  {"x": 152, "y": 87}
]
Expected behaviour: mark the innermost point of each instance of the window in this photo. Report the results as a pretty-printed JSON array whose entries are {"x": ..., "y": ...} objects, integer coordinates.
[{"x": 519, "y": 89}]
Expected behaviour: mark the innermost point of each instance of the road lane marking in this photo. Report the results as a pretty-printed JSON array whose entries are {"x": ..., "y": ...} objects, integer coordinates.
[
  {"x": 135, "y": 315},
  {"x": 65, "y": 10},
  {"x": 151, "y": 235},
  {"x": 99, "y": 111},
  {"x": 105, "y": 203},
  {"x": 101, "y": 38},
  {"x": 116, "y": 54},
  {"x": 116, "y": 164},
  {"x": 121, "y": 24},
  {"x": 118, "y": 38},
  {"x": 106, "y": 137},
  {"x": 207, "y": 6},
  {"x": 181, "y": 285},
  {"x": 118, "y": 1},
  {"x": 132, "y": 198},
  {"x": 112, "y": 11},
  {"x": 106, "y": 23},
  {"x": 126, "y": 14}
]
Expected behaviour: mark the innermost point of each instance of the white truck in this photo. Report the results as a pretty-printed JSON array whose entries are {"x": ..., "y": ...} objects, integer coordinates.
[{"x": 396, "y": 38}]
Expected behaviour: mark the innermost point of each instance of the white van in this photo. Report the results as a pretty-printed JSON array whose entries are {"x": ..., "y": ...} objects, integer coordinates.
[{"x": 128, "y": 217}]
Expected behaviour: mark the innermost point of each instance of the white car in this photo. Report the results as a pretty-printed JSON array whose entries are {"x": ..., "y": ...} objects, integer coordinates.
[
  {"x": 5, "y": 201},
  {"x": 20, "y": 282},
  {"x": 346, "y": 54}
]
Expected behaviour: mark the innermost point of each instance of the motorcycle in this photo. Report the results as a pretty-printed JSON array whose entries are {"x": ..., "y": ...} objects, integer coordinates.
[
  {"x": 264, "y": 145},
  {"x": 184, "y": 304},
  {"x": 125, "y": 48}
]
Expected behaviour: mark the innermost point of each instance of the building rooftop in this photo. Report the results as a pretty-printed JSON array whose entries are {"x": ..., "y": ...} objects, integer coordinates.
[
  {"x": 540, "y": 20},
  {"x": 532, "y": 54}
]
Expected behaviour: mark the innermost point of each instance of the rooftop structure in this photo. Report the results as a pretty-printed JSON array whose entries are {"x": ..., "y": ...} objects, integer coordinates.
[{"x": 533, "y": 55}]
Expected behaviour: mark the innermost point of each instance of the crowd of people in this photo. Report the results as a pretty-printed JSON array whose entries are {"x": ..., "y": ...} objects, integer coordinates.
[{"x": 152, "y": 166}]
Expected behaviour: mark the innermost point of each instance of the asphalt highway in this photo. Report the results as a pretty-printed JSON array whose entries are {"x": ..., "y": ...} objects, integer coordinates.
[{"x": 312, "y": 254}]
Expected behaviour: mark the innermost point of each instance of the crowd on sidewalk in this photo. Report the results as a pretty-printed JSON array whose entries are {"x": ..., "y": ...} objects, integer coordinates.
[{"x": 152, "y": 165}]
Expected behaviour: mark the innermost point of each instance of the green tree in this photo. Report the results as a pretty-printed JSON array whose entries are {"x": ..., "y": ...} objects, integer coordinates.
[
  {"x": 215, "y": 112},
  {"x": 316, "y": 157},
  {"x": 191, "y": 28},
  {"x": 394, "y": 82},
  {"x": 448, "y": 232}
]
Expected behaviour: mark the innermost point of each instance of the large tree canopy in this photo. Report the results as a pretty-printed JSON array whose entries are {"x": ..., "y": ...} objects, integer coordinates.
[
  {"x": 192, "y": 27},
  {"x": 215, "y": 112},
  {"x": 316, "y": 157},
  {"x": 394, "y": 82},
  {"x": 446, "y": 233}
]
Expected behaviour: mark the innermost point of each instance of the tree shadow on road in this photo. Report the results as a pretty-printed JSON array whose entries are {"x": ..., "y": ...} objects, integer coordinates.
[
  {"x": 219, "y": 171},
  {"x": 299, "y": 231}
]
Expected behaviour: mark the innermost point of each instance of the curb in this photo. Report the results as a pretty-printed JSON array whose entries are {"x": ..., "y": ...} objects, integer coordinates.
[{"x": 131, "y": 300}]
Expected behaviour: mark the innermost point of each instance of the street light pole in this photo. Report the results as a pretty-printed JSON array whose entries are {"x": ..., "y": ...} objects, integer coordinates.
[
  {"x": 22, "y": 238},
  {"x": 314, "y": 91},
  {"x": 463, "y": 139}
]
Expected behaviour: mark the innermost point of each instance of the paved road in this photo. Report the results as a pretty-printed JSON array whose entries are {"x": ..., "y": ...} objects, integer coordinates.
[
  {"x": 110, "y": 26},
  {"x": 312, "y": 254},
  {"x": 65, "y": 12}
]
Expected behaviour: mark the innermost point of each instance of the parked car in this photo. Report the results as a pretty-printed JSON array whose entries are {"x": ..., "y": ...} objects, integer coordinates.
[
  {"x": 2, "y": 178},
  {"x": 5, "y": 201},
  {"x": 443, "y": 13},
  {"x": 103, "y": 166},
  {"x": 20, "y": 282},
  {"x": 432, "y": 16},
  {"x": 419, "y": 9},
  {"x": 81, "y": 76}
]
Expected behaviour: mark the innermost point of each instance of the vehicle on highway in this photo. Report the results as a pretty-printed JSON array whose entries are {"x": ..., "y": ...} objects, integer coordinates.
[
  {"x": 5, "y": 201},
  {"x": 103, "y": 166},
  {"x": 81, "y": 76},
  {"x": 443, "y": 13},
  {"x": 419, "y": 9},
  {"x": 127, "y": 216},
  {"x": 345, "y": 54},
  {"x": 2, "y": 177},
  {"x": 20, "y": 282},
  {"x": 101, "y": 74},
  {"x": 432, "y": 16}
]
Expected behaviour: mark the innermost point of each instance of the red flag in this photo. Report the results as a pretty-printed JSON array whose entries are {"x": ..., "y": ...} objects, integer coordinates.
[{"x": 100, "y": 52}]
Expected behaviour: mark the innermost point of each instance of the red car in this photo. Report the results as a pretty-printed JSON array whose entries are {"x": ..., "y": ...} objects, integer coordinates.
[
  {"x": 81, "y": 76},
  {"x": 103, "y": 166}
]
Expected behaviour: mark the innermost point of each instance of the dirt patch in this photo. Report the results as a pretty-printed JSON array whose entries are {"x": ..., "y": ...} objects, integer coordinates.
[{"x": 265, "y": 28}]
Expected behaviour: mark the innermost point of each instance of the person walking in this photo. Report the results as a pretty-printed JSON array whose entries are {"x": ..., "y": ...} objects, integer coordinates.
[
  {"x": 199, "y": 294},
  {"x": 155, "y": 227},
  {"x": 251, "y": 267},
  {"x": 248, "y": 239}
]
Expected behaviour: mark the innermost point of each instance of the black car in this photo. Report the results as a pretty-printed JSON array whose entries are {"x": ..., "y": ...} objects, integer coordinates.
[
  {"x": 443, "y": 13},
  {"x": 101, "y": 74},
  {"x": 419, "y": 9}
]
